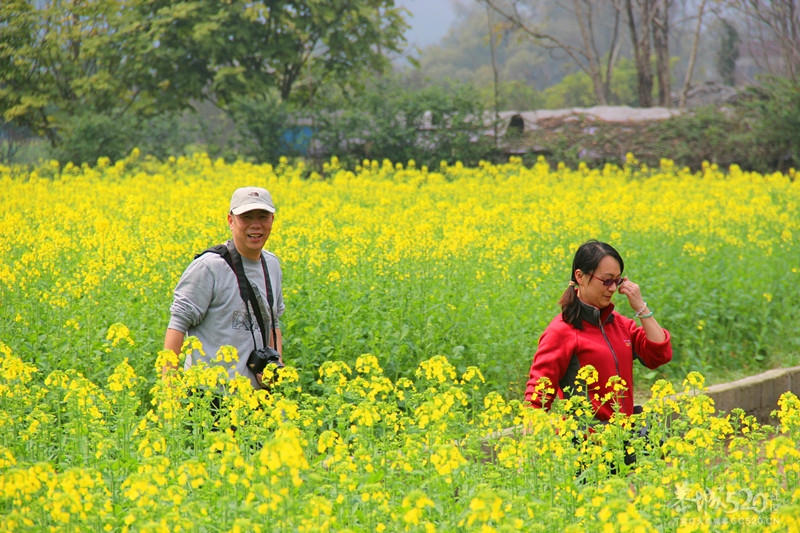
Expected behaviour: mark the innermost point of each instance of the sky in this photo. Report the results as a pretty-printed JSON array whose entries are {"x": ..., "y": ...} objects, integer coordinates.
[{"x": 429, "y": 20}]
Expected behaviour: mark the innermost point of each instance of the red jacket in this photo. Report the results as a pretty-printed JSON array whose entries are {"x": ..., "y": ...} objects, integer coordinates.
[{"x": 609, "y": 342}]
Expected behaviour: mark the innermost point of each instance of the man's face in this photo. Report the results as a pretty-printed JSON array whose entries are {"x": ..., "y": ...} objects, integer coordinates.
[{"x": 250, "y": 231}]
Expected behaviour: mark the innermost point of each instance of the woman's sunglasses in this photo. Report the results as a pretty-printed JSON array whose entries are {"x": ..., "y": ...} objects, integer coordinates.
[{"x": 609, "y": 282}]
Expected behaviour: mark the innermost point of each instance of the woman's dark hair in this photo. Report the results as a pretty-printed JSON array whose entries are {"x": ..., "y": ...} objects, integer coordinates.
[{"x": 587, "y": 257}]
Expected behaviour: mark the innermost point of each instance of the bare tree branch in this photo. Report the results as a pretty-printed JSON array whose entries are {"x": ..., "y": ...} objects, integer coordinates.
[
  {"x": 587, "y": 56},
  {"x": 773, "y": 30},
  {"x": 687, "y": 80}
]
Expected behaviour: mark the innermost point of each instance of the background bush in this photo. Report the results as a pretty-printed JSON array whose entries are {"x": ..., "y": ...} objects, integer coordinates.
[
  {"x": 753, "y": 132},
  {"x": 399, "y": 119},
  {"x": 429, "y": 125}
]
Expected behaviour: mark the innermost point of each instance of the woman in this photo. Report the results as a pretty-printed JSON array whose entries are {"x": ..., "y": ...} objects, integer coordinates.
[{"x": 589, "y": 332}]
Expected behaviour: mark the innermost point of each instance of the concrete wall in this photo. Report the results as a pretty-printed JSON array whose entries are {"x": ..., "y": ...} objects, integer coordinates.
[{"x": 757, "y": 395}]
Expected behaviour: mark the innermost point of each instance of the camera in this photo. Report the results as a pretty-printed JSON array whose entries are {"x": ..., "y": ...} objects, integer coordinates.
[{"x": 261, "y": 357}]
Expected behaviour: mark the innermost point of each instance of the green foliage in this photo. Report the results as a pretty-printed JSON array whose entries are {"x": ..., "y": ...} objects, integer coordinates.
[
  {"x": 98, "y": 135},
  {"x": 25, "y": 152},
  {"x": 13, "y": 140},
  {"x": 759, "y": 132},
  {"x": 513, "y": 95},
  {"x": 773, "y": 112},
  {"x": 728, "y": 52},
  {"x": 127, "y": 61},
  {"x": 162, "y": 136},
  {"x": 574, "y": 90},
  {"x": 94, "y": 136},
  {"x": 704, "y": 134},
  {"x": 264, "y": 123},
  {"x": 623, "y": 84},
  {"x": 430, "y": 125},
  {"x": 753, "y": 134},
  {"x": 78, "y": 75},
  {"x": 246, "y": 48},
  {"x": 60, "y": 61}
]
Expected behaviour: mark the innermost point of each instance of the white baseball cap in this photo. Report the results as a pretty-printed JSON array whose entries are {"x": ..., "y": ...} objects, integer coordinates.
[{"x": 250, "y": 198}]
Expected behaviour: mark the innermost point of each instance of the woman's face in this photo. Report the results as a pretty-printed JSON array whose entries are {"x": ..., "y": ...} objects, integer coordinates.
[{"x": 591, "y": 289}]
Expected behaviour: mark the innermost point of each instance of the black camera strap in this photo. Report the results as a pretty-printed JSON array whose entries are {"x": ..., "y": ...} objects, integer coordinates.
[
  {"x": 246, "y": 291},
  {"x": 231, "y": 256}
]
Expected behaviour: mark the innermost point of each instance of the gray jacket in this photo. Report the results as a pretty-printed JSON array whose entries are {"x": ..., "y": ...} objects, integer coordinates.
[{"x": 207, "y": 305}]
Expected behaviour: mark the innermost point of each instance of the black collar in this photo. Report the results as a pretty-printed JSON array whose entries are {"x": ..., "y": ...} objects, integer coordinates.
[{"x": 596, "y": 316}]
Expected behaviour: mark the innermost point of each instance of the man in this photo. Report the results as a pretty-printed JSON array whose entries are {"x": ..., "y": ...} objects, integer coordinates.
[{"x": 208, "y": 304}]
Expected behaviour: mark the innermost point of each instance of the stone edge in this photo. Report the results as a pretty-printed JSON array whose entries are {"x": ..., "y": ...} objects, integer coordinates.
[{"x": 756, "y": 395}]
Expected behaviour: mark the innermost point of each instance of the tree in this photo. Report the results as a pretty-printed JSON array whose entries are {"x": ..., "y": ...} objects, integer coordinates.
[
  {"x": 495, "y": 75},
  {"x": 72, "y": 59},
  {"x": 575, "y": 90},
  {"x": 728, "y": 52},
  {"x": 640, "y": 37},
  {"x": 464, "y": 54},
  {"x": 648, "y": 24},
  {"x": 773, "y": 34},
  {"x": 387, "y": 121},
  {"x": 773, "y": 110},
  {"x": 586, "y": 52},
  {"x": 660, "y": 28},
  {"x": 64, "y": 60},
  {"x": 687, "y": 80},
  {"x": 247, "y": 48}
]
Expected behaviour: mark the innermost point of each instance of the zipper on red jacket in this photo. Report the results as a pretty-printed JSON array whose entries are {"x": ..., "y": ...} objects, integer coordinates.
[{"x": 610, "y": 346}]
